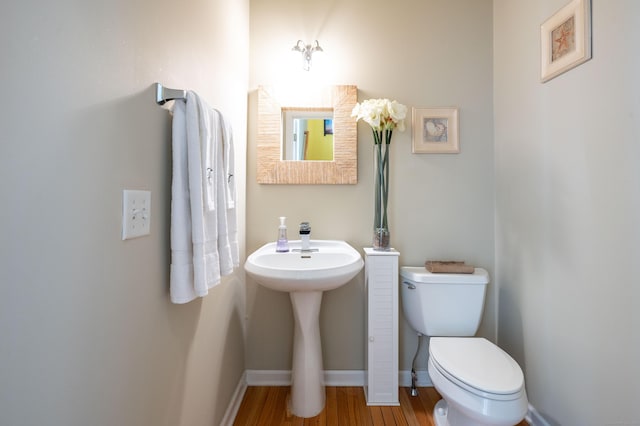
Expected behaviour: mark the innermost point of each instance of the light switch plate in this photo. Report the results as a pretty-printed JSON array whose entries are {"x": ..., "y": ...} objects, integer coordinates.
[{"x": 136, "y": 213}]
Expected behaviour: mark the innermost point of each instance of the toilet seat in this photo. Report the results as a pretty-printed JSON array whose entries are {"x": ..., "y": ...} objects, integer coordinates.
[{"x": 478, "y": 366}]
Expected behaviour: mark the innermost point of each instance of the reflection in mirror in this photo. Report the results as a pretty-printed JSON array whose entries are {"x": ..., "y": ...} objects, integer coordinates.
[
  {"x": 307, "y": 134},
  {"x": 273, "y": 163}
]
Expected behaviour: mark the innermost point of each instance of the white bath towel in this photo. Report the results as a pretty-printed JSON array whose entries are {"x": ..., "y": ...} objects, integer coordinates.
[
  {"x": 199, "y": 211},
  {"x": 227, "y": 232},
  {"x": 232, "y": 255}
]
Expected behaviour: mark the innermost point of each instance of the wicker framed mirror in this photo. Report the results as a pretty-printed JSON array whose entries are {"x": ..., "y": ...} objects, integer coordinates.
[{"x": 342, "y": 169}]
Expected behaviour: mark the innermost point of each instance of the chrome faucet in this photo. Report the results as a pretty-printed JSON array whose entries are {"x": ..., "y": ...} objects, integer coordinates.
[{"x": 305, "y": 234}]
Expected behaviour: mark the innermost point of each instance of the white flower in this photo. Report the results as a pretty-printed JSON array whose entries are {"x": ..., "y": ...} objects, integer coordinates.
[
  {"x": 397, "y": 113},
  {"x": 381, "y": 114}
]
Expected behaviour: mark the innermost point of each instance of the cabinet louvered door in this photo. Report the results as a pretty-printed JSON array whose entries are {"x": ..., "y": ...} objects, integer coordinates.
[{"x": 381, "y": 280}]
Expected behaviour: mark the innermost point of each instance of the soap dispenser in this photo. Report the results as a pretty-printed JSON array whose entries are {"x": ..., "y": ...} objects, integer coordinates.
[{"x": 282, "y": 246}]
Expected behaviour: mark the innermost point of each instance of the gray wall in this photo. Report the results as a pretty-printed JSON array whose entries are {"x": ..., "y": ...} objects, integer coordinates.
[
  {"x": 87, "y": 333},
  {"x": 567, "y": 209},
  {"x": 424, "y": 54}
]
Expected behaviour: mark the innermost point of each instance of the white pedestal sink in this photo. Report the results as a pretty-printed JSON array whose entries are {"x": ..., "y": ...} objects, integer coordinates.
[{"x": 305, "y": 275}]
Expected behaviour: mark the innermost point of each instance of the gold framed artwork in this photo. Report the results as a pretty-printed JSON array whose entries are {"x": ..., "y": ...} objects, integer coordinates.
[
  {"x": 565, "y": 39},
  {"x": 435, "y": 131}
]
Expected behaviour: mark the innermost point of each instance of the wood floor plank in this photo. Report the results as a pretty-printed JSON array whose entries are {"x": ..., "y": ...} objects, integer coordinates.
[
  {"x": 272, "y": 412},
  {"x": 251, "y": 407},
  {"x": 364, "y": 412},
  {"x": 284, "y": 416},
  {"x": 407, "y": 408},
  {"x": 331, "y": 407},
  {"x": 427, "y": 402},
  {"x": 343, "y": 405},
  {"x": 377, "y": 417},
  {"x": 297, "y": 421},
  {"x": 423, "y": 416},
  {"x": 352, "y": 408},
  {"x": 398, "y": 416},
  {"x": 387, "y": 416}
]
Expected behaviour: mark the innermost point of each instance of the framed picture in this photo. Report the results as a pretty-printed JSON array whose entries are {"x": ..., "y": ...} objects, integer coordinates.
[
  {"x": 435, "y": 131},
  {"x": 565, "y": 39}
]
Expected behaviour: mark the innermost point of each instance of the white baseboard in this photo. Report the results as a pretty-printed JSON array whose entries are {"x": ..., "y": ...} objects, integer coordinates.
[
  {"x": 331, "y": 378},
  {"x": 236, "y": 400},
  {"x": 534, "y": 418},
  {"x": 283, "y": 377},
  {"x": 424, "y": 380}
]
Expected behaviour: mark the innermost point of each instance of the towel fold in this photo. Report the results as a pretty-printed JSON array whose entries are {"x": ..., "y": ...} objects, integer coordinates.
[
  {"x": 448, "y": 267},
  {"x": 203, "y": 224}
]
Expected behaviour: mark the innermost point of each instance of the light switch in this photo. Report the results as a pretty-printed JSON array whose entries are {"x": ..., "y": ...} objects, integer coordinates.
[{"x": 136, "y": 213}]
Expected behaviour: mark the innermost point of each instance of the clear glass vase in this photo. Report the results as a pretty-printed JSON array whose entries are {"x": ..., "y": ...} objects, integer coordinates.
[{"x": 381, "y": 234}]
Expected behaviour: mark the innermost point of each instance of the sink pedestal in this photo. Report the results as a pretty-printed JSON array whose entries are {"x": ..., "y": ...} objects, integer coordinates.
[{"x": 307, "y": 374}]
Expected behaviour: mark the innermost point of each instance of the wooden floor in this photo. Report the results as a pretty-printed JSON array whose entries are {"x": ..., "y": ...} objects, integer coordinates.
[{"x": 267, "y": 405}]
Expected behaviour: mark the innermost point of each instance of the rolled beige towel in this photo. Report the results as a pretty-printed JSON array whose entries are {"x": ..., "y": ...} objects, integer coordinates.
[{"x": 448, "y": 267}]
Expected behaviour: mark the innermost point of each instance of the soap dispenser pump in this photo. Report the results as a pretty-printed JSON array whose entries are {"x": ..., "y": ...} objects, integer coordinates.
[{"x": 282, "y": 245}]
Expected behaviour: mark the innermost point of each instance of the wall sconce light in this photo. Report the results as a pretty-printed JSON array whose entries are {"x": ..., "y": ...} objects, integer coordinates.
[{"x": 307, "y": 51}]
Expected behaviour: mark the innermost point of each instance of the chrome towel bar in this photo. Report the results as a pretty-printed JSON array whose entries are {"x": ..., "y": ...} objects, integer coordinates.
[{"x": 164, "y": 94}]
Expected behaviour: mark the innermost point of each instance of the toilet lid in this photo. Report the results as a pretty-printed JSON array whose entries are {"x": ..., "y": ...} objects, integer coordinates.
[
  {"x": 477, "y": 363},
  {"x": 420, "y": 274}
]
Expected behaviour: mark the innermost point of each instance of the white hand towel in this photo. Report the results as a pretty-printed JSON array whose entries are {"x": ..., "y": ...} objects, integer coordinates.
[
  {"x": 201, "y": 149},
  {"x": 181, "y": 272},
  {"x": 230, "y": 191},
  {"x": 227, "y": 224}
]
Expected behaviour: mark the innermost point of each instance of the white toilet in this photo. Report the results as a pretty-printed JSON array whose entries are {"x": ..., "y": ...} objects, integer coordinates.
[{"x": 480, "y": 383}]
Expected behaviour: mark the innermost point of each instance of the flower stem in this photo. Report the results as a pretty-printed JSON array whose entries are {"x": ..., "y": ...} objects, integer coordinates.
[
  {"x": 382, "y": 178},
  {"x": 385, "y": 181},
  {"x": 379, "y": 180}
]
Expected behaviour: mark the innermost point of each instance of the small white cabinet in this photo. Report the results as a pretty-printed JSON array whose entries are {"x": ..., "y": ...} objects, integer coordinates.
[{"x": 381, "y": 282}]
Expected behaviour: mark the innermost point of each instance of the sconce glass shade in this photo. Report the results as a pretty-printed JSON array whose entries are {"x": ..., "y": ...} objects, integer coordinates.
[{"x": 307, "y": 52}]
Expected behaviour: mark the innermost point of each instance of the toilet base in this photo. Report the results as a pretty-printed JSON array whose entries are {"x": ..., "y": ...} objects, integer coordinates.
[
  {"x": 445, "y": 415},
  {"x": 440, "y": 413}
]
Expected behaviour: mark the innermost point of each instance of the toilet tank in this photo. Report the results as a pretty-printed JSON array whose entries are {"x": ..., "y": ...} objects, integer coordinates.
[{"x": 443, "y": 304}]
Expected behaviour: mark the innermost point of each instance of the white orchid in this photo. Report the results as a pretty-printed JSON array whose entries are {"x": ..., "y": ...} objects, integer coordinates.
[
  {"x": 397, "y": 114},
  {"x": 381, "y": 114}
]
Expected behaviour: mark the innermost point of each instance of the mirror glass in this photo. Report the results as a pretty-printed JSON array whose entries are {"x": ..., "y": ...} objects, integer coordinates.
[
  {"x": 307, "y": 135},
  {"x": 281, "y": 155}
]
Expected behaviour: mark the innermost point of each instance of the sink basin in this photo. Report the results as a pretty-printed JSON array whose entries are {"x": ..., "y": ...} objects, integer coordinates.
[
  {"x": 305, "y": 275},
  {"x": 331, "y": 264}
]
